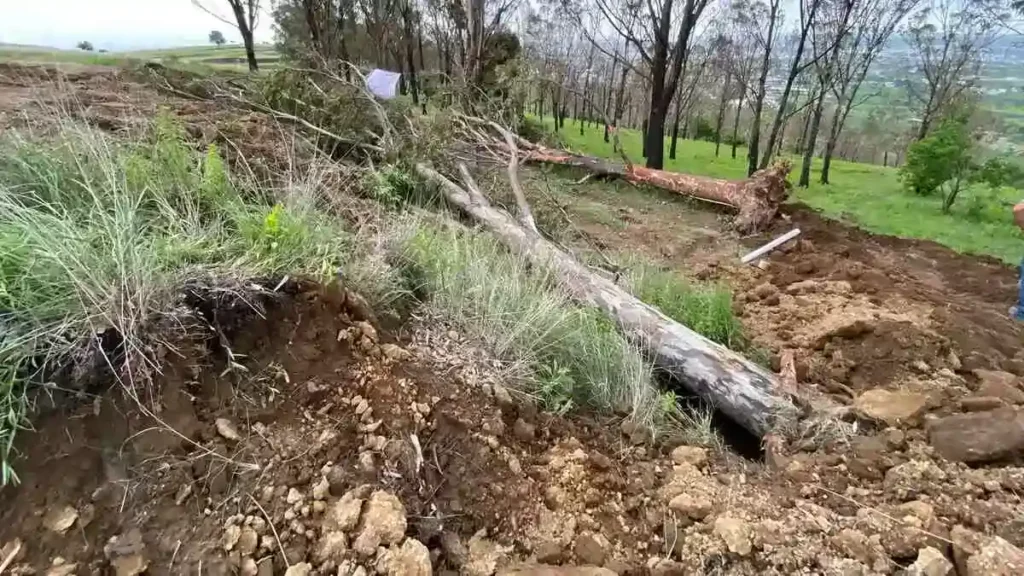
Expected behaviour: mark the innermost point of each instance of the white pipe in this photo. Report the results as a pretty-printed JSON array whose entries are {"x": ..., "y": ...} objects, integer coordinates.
[{"x": 770, "y": 246}]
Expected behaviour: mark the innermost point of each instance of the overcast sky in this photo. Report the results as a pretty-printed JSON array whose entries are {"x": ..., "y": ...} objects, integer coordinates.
[{"x": 116, "y": 24}]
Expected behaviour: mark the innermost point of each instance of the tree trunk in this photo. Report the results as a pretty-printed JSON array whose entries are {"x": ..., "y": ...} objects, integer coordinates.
[
  {"x": 794, "y": 71},
  {"x": 410, "y": 61},
  {"x": 246, "y": 33},
  {"x": 643, "y": 138},
  {"x": 723, "y": 101},
  {"x": 675, "y": 134},
  {"x": 885, "y": 159},
  {"x": 812, "y": 138},
  {"x": 655, "y": 136},
  {"x": 736, "y": 123},
  {"x": 756, "y": 199},
  {"x": 746, "y": 393}
]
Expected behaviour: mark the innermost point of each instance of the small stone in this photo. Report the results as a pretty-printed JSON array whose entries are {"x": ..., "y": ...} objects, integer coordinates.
[
  {"x": 600, "y": 461},
  {"x": 549, "y": 552},
  {"x": 692, "y": 507},
  {"x": 455, "y": 551},
  {"x": 184, "y": 491},
  {"x": 265, "y": 567},
  {"x": 502, "y": 396},
  {"x": 523, "y": 431},
  {"x": 344, "y": 514},
  {"x": 127, "y": 553},
  {"x": 367, "y": 329},
  {"x": 980, "y": 403},
  {"x": 412, "y": 559},
  {"x": 1002, "y": 385},
  {"x": 930, "y": 562},
  {"x": 227, "y": 429},
  {"x": 764, "y": 290},
  {"x": 300, "y": 569},
  {"x": 890, "y": 407},
  {"x": 698, "y": 457},
  {"x": 248, "y": 541},
  {"x": 249, "y": 567},
  {"x": 383, "y": 522},
  {"x": 997, "y": 557},
  {"x": 60, "y": 519},
  {"x": 484, "y": 556},
  {"x": 230, "y": 538},
  {"x": 293, "y": 497},
  {"x": 735, "y": 533},
  {"x": 366, "y": 462},
  {"x": 394, "y": 352},
  {"x": 966, "y": 543},
  {"x": 590, "y": 550},
  {"x": 331, "y": 547},
  {"x": 322, "y": 489},
  {"x": 895, "y": 438},
  {"x": 336, "y": 479},
  {"x": 362, "y": 407},
  {"x": 922, "y": 367}
]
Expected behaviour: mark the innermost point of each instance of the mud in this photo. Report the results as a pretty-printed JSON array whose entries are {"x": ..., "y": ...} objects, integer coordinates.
[{"x": 340, "y": 446}]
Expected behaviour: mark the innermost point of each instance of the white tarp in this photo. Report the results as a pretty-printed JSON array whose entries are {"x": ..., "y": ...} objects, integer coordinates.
[{"x": 383, "y": 83}]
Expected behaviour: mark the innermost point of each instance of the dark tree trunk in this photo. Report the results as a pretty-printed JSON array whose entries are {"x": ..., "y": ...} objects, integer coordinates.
[
  {"x": 736, "y": 123},
  {"x": 723, "y": 101},
  {"x": 643, "y": 137},
  {"x": 245, "y": 31},
  {"x": 410, "y": 62},
  {"x": 812, "y": 138},
  {"x": 675, "y": 134}
]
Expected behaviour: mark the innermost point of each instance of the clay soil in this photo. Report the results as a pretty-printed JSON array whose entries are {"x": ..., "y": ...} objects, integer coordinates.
[{"x": 337, "y": 446}]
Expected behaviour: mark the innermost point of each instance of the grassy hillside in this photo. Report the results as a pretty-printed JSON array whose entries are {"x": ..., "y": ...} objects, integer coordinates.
[
  {"x": 224, "y": 57},
  {"x": 867, "y": 195}
]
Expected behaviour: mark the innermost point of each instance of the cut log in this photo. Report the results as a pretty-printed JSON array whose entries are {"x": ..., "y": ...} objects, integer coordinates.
[
  {"x": 756, "y": 199},
  {"x": 743, "y": 391}
]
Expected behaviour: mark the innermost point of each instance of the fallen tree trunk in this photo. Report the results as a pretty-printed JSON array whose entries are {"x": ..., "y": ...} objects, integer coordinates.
[
  {"x": 743, "y": 391},
  {"x": 756, "y": 199}
]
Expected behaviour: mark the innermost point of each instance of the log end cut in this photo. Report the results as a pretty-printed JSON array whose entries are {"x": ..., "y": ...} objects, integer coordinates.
[{"x": 760, "y": 198}]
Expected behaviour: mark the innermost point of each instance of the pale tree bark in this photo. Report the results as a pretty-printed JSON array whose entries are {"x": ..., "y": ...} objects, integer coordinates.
[{"x": 746, "y": 393}]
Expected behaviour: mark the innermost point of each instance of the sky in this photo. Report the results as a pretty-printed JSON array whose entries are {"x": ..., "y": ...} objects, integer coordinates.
[{"x": 117, "y": 24}]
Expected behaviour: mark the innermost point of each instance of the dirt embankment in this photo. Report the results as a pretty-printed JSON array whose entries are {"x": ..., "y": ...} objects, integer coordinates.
[{"x": 336, "y": 447}]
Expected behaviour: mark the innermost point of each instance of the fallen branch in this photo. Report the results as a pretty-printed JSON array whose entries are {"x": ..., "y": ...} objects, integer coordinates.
[{"x": 745, "y": 392}]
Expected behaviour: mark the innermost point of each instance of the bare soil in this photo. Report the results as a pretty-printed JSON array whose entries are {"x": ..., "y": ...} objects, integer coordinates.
[{"x": 298, "y": 458}]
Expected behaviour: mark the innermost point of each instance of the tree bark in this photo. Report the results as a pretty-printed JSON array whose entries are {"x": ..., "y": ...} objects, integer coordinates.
[
  {"x": 675, "y": 133},
  {"x": 245, "y": 31},
  {"x": 736, "y": 123},
  {"x": 746, "y": 393},
  {"x": 812, "y": 139},
  {"x": 756, "y": 199},
  {"x": 723, "y": 101}
]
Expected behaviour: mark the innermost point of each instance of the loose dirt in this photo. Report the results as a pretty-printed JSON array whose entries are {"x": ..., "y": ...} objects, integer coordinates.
[{"x": 336, "y": 446}]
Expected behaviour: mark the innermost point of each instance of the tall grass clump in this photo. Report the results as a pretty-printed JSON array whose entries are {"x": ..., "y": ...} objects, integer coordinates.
[
  {"x": 568, "y": 356},
  {"x": 98, "y": 236}
]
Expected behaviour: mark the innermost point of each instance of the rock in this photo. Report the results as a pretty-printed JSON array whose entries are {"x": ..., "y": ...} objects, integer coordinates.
[
  {"x": 765, "y": 290},
  {"x": 394, "y": 352},
  {"x": 184, "y": 491},
  {"x": 591, "y": 549},
  {"x": 248, "y": 540},
  {"x": 249, "y": 567},
  {"x": 666, "y": 567},
  {"x": 322, "y": 489},
  {"x": 60, "y": 519},
  {"x": 343, "y": 515},
  {"x": 978, "y": 437},
  {"x": 839, "y": 324},
  {"x": 60, "y": 567},
  {"x": 922, "y": 366},
  {"x": 412, "y": 559},
  {"x": 293, "y": 497},
  {"x": 127, "y": 553},
  {"x": 330, "y": 547},
  {"x": 523, "y": 431},
  {"x": 300, "y": 569},
  {"x": 600, "y": 461},
  {"x": 1002, "y": 385},
  {"x": 890, "y": 407},
  {"x": 930, "y": 562},
  {"x": 502, "y": 396},
  {"x": 367, "y": 329},
  {"x": 966, "y": 543},
  {"x": 953, "y": 361},
  {"x": 484, "y": 556},
  {"x": 549, "y": 552},
  {"x": 336, "y": 480},
  {"x": 690, "y": 455},
  {"x": 454, "y": 550},
  {"x": 692, "y": 507},
  {"x": 996, "y": 558},
  {"x": 227, "y": 429},
  {"x": 383, "y": 523},
  {"x": 980, "y": 403},
  {"x": 230, "y": 537},
  {"x": 265, "y": 567},
  {"x": 543, "y": 570},
  {"x": 735, "y": 533}
]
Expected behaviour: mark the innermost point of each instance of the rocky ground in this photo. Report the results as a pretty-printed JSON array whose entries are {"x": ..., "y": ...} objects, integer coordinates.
[{"x": 340, "y": 447}]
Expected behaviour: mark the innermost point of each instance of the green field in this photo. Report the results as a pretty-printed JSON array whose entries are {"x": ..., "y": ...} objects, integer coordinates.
[
  {"x": 216, "y": 57},
  {"x": 866, "y": 195}
]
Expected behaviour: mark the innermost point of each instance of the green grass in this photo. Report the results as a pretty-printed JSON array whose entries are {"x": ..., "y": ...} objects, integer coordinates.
[
  {"x": 195, "y": 56},
  {"x": 100, "y": 235},
  {"x": 565, "y": 355},
  {"x": 869, "y": 196},
  {"x": 64, "y": 56}
]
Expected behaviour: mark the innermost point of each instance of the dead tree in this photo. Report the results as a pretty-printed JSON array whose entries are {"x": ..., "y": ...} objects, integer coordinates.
[{"x": 746, "y": 393}]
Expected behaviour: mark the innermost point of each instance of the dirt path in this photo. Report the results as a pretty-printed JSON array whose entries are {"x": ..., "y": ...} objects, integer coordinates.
[{"x": 345, "y": 449}]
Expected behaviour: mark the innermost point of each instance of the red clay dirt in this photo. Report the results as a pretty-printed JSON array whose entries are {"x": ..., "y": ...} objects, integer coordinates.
[{"x": 341, "y": 448}]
